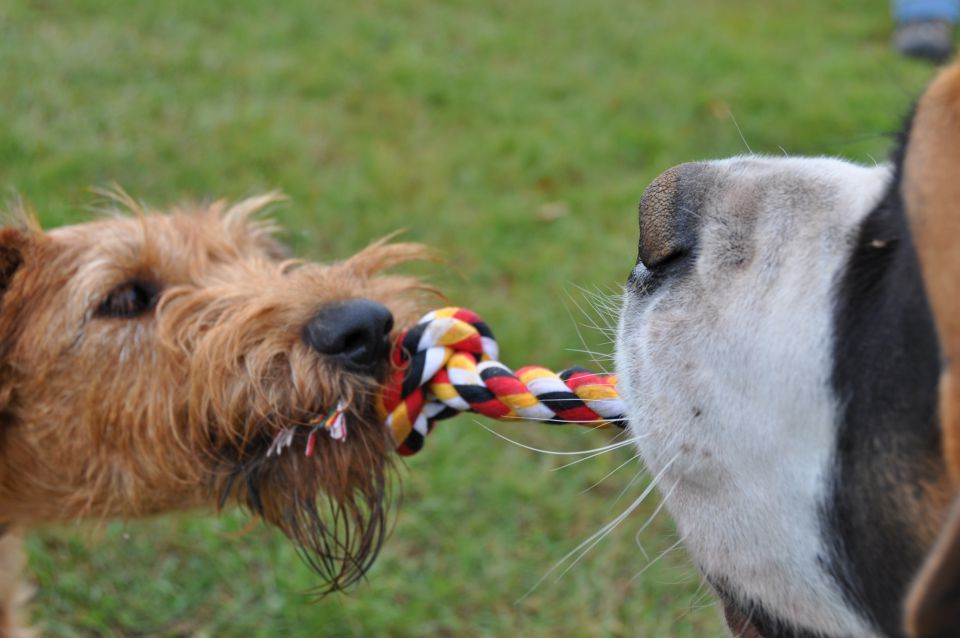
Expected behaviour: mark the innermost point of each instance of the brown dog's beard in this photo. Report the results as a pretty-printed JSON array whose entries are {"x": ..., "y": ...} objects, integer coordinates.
[
  {"x": 334, "y": 505},
  {"x": 249, "y": 383}
]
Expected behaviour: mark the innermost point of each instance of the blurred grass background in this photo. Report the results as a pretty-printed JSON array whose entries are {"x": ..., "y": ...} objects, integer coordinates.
[{"x": 515, "y": 136}]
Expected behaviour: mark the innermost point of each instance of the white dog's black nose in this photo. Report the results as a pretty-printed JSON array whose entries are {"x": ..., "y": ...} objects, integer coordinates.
[
  {"x": 668, "y": 216},
  {"x": 354, "y": 333}
]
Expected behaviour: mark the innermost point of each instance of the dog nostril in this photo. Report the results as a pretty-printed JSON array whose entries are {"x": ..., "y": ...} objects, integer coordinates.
[
  {"x": 354, "y": 333},
  {"x": 667, "y": 217}
]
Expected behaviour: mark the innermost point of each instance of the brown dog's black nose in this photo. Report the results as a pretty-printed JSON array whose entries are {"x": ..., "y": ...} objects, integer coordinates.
[
  {"x": 668, "y": 216},
  {"x": 353, "y": 333}
]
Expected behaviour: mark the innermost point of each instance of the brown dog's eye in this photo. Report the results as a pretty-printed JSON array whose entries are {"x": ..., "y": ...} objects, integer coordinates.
[{"x": 130, "y": 299}]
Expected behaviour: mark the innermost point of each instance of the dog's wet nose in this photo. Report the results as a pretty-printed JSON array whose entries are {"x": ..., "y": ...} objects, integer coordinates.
[
  {"x": 354, "y": 333},
  {"x": 668, "y": 216}
]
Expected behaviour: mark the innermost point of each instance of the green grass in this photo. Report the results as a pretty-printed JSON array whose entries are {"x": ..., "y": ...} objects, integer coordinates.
[{"x": 515, "y": 135}]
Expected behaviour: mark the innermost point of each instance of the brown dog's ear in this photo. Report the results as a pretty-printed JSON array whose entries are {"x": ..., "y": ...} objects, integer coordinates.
[
  {"x": 12, "y": 244},
  {"x": 931, "y": 193}
]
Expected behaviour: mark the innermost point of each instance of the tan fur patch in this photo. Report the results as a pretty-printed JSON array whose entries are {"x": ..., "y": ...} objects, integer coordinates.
[{"x": 931, "y": 191}]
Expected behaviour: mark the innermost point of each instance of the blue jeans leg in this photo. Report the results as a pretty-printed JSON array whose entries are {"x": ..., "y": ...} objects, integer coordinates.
[{"x": 911, "y": 10}]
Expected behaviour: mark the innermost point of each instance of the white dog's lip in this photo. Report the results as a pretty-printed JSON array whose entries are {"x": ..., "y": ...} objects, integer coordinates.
[
  {"x": 639, "y": 275},
  {"x": 671, "y": 260},
  {"x": 644, "y": 281}
]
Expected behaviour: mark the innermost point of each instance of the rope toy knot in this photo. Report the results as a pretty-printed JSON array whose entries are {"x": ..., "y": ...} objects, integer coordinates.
[{"x": 448, "y": 363}]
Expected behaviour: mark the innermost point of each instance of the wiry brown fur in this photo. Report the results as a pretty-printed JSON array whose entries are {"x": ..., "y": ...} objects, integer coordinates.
[{"x": 106, "y": 416}]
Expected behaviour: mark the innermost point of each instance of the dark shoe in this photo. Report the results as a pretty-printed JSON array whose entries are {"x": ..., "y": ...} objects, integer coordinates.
[{"x": 931, "y": 40}]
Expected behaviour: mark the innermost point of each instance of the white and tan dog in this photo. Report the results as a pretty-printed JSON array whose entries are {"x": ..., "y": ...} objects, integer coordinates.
[{"x": 780, "y": 361}]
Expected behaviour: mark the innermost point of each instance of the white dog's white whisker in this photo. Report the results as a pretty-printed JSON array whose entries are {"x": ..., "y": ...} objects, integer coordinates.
[
  {"x": 587, "y": 458},
  {"x": 639, "y": 475},
  {"x": 605, "y": 308},
  {"x": 739, "y": 130},
  {"x": 592, "y": 424},
  {"x": 701, "y": 593},
  {"x": 653, "y": 516},
  {"x": 576, "y": 326},
  {"x": 601, "y": 450},
  {"x": 584, "y": 547},
  {"x": 632, "y": 459},
  {"x": 660, "y": 556},
  {"x": 596, "y": 357},
  {"x": 608, "y": 356},
  {"x": 626, "y": 488},
  {"x": 591, "y": 542}
]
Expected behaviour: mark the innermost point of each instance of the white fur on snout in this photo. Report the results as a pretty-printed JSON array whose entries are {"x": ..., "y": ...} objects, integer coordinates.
[{"x": 727, "y": 368}]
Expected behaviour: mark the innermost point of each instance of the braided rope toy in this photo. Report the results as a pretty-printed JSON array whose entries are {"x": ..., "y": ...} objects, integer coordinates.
[{"x": 447, "y": 364}]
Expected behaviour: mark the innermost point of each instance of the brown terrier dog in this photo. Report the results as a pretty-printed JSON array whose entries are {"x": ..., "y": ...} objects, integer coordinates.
[{"x": 148, "y": 362}]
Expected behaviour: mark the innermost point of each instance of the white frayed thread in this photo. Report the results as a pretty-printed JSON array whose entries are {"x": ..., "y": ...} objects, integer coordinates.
[{"x": 334, "y": 424}]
